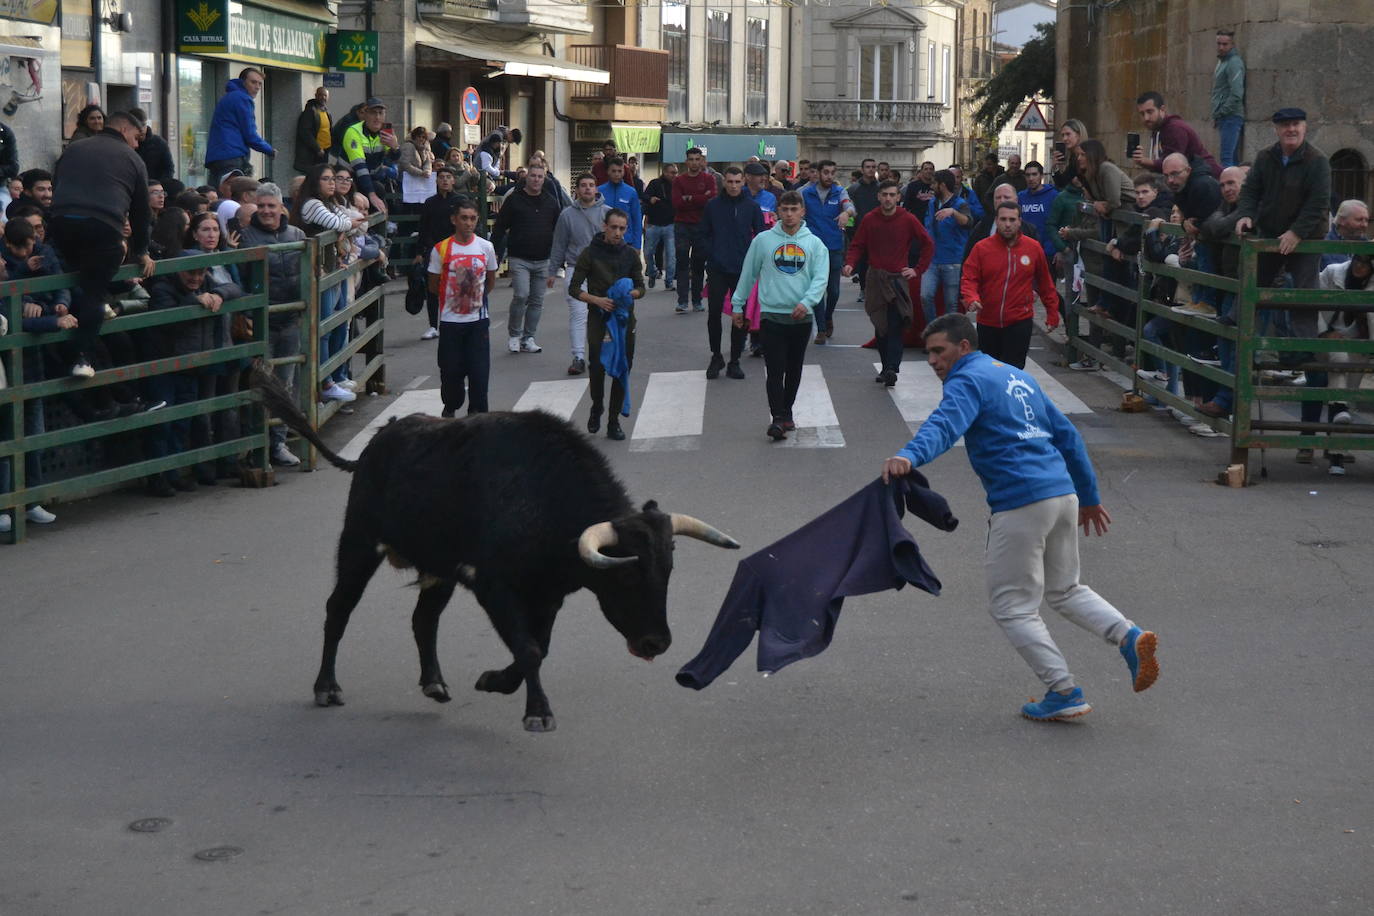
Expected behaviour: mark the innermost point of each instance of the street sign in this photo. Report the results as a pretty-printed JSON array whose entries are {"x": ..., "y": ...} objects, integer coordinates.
[
  {"x": 1032, "y": 119},
  {"x": 472, "y": 105},
  {"x": 334, "y": 81},
  {"x": 472, "y": 134},
  {"x": 353, "y": 51}
]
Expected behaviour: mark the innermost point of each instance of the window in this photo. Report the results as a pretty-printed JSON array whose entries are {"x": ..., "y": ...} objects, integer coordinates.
[
  {"x": 878, "y": 71},
  {"x": 948, "y": 93},
  {"x": 756, "y": 71},
  {"x": 1349, "y": 176},
  {"x": 717, "y": 65},
  {"x": 930, "y": 70},
  {"x": 675, "y": 43}
]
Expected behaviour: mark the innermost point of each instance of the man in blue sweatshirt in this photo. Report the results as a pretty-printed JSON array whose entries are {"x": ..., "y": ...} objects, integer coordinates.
[
  {"x": 234, "y": 128},
  {"x": 1040, "y": 485},
  {"x": 828, "y": 211},
  {"x": 948, "y": 218},
  {"x": 618, "y": 193}
]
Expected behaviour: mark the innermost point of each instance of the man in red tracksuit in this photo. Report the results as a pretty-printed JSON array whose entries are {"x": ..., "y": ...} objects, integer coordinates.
[
  {"x": 895, "y": 245},
  {"x": 1000, "y": 276},
  {"x": 691, "y": 192}
]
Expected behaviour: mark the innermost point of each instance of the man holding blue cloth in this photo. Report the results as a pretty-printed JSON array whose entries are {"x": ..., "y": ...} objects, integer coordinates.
[
  {"x": 606, "y": 260},
  {"x": 1040, "y": 486}
]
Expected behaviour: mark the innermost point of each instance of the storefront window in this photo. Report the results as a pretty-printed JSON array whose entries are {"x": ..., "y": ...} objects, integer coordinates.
[{"x": 197, "y": 81}]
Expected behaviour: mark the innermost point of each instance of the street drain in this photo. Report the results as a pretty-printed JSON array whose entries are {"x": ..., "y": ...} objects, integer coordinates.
[
  {"x": 218, "y": 853},
  {"x": 150, "y": 824}
]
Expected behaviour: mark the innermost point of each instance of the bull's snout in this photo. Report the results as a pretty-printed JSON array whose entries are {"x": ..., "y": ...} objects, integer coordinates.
[{"x": 647, "y": 647}]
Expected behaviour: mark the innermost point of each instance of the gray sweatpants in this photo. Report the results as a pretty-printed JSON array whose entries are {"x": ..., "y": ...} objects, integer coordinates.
[{"x": 1033, "y": 554}]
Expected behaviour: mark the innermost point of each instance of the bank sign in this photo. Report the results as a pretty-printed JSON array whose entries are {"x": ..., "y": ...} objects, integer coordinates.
[
  {"x": 728, "y": 147},
  {"x": 251, "y": 34}
]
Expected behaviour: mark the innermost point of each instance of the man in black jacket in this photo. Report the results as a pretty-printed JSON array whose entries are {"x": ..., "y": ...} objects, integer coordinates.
[
  {"x": 1001, "y": 194},
  {"x": 311, "y": 123},
  {"x": 153, "y": 150},
  {"x": 528, "y": 216},
  {"x": 920, "y": 191},
  {"x": 436, "y": 224},
  {"x": 99, "y": 183},
  {"x": 657, "y": 201},
  {"x": 728, "y": 224},
  {"x": 1197, "y": 196}
]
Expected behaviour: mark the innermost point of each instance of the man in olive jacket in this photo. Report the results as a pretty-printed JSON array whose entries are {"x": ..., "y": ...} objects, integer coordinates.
[{"x": 1287, "y": 196}]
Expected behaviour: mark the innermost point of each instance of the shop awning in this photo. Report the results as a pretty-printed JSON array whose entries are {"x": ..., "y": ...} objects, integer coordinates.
[
  {"x": 517, "y": 64},
  {"x": 17, "y": 46}
]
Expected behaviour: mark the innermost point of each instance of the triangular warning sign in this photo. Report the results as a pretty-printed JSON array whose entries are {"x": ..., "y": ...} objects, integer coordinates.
[{"x": 1033, "y": 119}]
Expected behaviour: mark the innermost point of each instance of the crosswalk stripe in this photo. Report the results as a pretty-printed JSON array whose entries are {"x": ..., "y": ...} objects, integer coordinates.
[
  {"x": 427, "y": 401},
  {"x": 670, "y": 414},
  {"x": 559, "y": 397},
  {"x": 1063, "y": 398},
  {"x": 814, "y": 414}
]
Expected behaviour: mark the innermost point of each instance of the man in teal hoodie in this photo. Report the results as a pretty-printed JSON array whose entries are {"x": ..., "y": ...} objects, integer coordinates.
[
  {"x": 1040, "y": 485},
  {"x": 792, "y": 267}
]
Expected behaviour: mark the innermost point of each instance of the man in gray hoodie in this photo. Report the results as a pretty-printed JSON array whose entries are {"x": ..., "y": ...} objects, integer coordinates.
[{"x": 574, "y": 230}]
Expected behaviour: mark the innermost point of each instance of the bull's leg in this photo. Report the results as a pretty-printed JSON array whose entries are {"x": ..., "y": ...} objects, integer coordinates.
[
  {"x": 512, "y": 617},
  {"x": 357, "y": 561},
  {"x": 434, "y": 597}
]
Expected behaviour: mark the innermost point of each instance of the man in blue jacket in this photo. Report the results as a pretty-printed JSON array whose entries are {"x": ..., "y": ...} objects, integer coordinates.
[
  {"x": 948, "y": 219},
  {"x": 828, "y": 210},
  {"x": 621, "y": 195},
  {"x": 1040, "y": 485},
  {"x": 728, "y": 224},
  {"x": 234, "y": 128}
]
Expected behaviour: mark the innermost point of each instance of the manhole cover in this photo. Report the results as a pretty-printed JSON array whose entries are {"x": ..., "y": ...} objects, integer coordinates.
[
  {"x": 150, "y": 824},
  {"x": 216, "y": 853}
]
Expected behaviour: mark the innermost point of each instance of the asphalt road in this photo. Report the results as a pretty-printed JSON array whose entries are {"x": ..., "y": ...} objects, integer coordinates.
[{"x": 156, "y": 658}]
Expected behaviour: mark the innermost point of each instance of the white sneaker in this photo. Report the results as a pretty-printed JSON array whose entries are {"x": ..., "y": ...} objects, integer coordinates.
[
  {"x": 1203, "y": 430},
  {"x": 1151, "y": 375},
  {"x": 529, "y": 346},
  {"x": 513, "y": 344},
  {"x": 1084, "y": 365},
  {"x": 40, "y": 516},
  {"x": 1342, "y": 416},
  {"x": 6, "y": 523},
  {"x": 348, "y": 383},
  {"x": 338, "y": 393},
  {"x": 430, "y": 334},
  {"x": 281, "y": 455},
  {"x": 82, "y": 368}
]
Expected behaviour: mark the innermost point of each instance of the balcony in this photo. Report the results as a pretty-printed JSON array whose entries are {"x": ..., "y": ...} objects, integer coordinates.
[
  {"x": 874, "y": 117},
  {"x": 638, "y": 90},
  {"x": 565, "y": 16}
]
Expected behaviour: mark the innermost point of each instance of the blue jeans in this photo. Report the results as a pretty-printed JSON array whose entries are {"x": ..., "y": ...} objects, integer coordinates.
[
  {"x": 333, "y": 300},
  {"x": 33, "y": 426},
  {"x": 652, "y": 236},
  {"x": 1158, "y": 330},
  {"x": 1230, "y": 128},
  {"x": 946, "y": 275},
  {"x": 825, "y": 311}
]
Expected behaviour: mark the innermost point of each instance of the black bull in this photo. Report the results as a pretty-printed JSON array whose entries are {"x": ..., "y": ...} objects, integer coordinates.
[{"x": 519, "y": 508}]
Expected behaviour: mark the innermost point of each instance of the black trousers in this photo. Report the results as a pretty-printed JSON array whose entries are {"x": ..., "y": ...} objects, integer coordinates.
[
  {"x": 890, "y": 345},
  {"x": 1009, "y": 344},
  {"x": 719, "y": 282},
  {"x": 94, "y": 251},
  {"x": 596, "y": 373},
  {"x": 464, "y": 356},
  {"x": 784, "y": 349}
]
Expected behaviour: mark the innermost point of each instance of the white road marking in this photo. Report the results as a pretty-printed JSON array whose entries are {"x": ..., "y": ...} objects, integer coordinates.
[
  {"x": 814, "y": 414},
  {"x": 560, "y": 398},
  {"x": 416, "y": 382},
  {"x": 1063, "y": 398},
  {"x": 409, "y": 402},
  {"x": 669, "y": 414}
]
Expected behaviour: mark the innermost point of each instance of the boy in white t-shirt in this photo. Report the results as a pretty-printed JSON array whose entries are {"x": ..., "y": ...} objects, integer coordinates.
[{"x": 458, "y": 271}]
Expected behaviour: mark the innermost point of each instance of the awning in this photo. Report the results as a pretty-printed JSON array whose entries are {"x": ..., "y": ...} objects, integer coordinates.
[
  {"x": 736, "y": 146},
  {"x": 17, "y": 46},
  {"x": 517, "y": 64}
]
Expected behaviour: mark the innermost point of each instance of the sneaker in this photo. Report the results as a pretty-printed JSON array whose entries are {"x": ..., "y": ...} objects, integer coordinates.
[
  {"x": 6, "y": 523},
  {"x": 699, "y": 307},
  {"x": 529, "y": 346},
  {"x": 861, "y": 296},
  {"x": 775, "y": 431},
  {"x": 1057, "y": 706},
  {"x": 668, "y": 285},
  {"x": 594, "y": 420},
  {"x": 1084, "y": 365},
  {"x": 755, "y": 352},
  {"x": 513, "y": 344},
  {"x": 1207, "y": 360},
  {"x": 733, "y": 370},
  {"x": 1152, "y": 375},
  {"x": 890, "y": 378},
  {"x": 681, "y": 308},
  {"x": 577, "y": 366},
  {"x": 713, "y": 368},
  {"x": 788, "y": 425},
  {"x": 1203, "y": 430},
  {"x": 1304, "y": 456},
  {"x": 1139, "y": 652},
  {"x": 1337, "y": 468},
  {"x": 82, "y": 368},
  {"x": 1342, "y": 414},
  {"x": 430, "y": 334},
  {"x": 338, "y": 393},
  {"x": 820, "y": 337},
  {"x": 651, "y": 281},
  {"x": 40, "y": 516},
  {"x": 613, "y": 430},
  {"x": 1196, "y": 309},
  {"x": 348, "y": 384},
  {"x": 282, "y": 456}
]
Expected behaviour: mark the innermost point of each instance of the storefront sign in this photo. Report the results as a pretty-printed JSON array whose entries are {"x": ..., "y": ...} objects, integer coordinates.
[
  {"x": 44, "y": 11},
  {"x": 76, "y": 33},
  {"x": 250, "y": 33},
  {"x": 636, "y": 138},
  {"x": 729, "y": 147},
  {"x": 355, "y": 52}
]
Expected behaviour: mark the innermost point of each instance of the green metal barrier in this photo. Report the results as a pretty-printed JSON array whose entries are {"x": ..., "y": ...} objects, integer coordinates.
[{"x": 1247, "y": 427}]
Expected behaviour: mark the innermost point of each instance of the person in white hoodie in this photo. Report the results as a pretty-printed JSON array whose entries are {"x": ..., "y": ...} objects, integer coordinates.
[{"x": 574, "y": 230}]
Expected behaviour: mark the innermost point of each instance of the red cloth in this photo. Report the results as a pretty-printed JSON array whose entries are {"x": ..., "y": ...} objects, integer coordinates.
[
  {"x": 701, "y": 189},
  {"x": 1004, "y": 277},
  {"x": 886, "y": 242}
]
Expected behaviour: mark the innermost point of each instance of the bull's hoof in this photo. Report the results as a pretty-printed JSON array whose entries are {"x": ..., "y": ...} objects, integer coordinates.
[
  {"x": 331, "y": 696},
  {"x": 437, "y": 691},
  {"x": 540, "y": 723},
  {"x": 499, "y": 682}
]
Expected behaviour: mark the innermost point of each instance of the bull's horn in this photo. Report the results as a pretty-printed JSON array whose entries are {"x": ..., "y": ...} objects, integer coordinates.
[
  {"x": 696, "y": 528},
  {"x": 589, "y": 545}
]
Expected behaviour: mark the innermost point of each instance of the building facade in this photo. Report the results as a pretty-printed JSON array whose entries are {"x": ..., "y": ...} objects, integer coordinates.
[
  {"x": 976, "y": 62},
  {"x": 876, "y": 81}
]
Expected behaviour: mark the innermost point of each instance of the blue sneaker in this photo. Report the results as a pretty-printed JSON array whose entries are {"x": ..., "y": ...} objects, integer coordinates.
[
  {"x": 1139, "y": 652},
  {"x": 1057, "y": 706}
]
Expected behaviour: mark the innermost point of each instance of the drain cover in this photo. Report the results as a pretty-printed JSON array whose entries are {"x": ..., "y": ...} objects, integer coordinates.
[
  {"x": 216, "y": 853},
  {"x": 150, "y": 824}
]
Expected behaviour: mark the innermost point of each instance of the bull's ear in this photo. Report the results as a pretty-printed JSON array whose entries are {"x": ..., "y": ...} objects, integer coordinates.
[{"x": 651, "y": 506}]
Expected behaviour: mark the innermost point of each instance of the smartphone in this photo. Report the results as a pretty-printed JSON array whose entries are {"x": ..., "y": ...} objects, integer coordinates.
[
  {"x": 1086, "y": 207},
  {"x": 387, "y": 126},
  {"x": 1132, "y": 144},
  {"x": 1061, "y": 149}
]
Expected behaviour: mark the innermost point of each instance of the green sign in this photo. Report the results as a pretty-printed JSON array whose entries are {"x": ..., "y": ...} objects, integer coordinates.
[
  {"x": 251, "y": 34},
  {"x": 631, "y": 138},
  {"x": 353, "y": 51}
]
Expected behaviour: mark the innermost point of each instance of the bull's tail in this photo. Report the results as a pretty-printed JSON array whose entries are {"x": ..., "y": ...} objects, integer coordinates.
[{"x": 283, "y": 407}]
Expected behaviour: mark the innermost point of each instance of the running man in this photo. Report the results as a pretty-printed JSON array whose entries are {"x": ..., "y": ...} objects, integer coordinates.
[{"x": 1040, "y": 485}]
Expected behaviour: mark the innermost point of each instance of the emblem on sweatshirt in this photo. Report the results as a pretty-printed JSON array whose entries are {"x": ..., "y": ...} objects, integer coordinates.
[
  {"x": 789, "y": 258},
  {"x": 1025, "y": 260},
  {"x": 1021, "y": 390}
]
